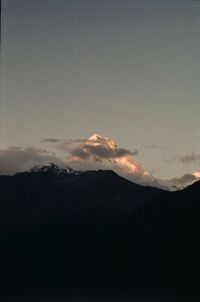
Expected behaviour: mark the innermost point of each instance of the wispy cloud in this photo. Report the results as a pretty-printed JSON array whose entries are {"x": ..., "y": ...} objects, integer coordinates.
[
  {"x": 159, "y": 147},
  {"x": 17, "y": 159},
  {"x": 182, "y": 181},
  {"x": 51, "y": 140},
  {"x": 97, "y": 152},
  {"x": 100, "y": 152},
  {"x": 188, "y": 158},
  {"x": 63, "y": 141},
  {"x": 96, "y": 147}
]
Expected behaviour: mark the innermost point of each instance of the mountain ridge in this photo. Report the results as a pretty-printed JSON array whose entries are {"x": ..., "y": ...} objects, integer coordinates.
[
  {"x": 67, "y": 191},
  {"x": 96, "y": 230}
]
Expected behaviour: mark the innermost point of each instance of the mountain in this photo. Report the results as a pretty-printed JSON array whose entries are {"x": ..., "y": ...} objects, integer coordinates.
[
  {"x": 65, "y": 230},
  {"x": 103, "y": 151},
  {"x": 51, "y": 192},
  {"x": 125, "y": 162},
  {"x": 166, "y": 240}
]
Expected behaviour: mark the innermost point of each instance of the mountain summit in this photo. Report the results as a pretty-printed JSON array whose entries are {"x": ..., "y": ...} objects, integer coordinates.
[
  {"x": 102, "y": 152},
  {"x": 104, "y": 149},
  {"x": 102, "y": 140}
]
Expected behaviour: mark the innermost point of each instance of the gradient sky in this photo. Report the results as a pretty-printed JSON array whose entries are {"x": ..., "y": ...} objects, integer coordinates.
[{"x": 126, "y": 69}]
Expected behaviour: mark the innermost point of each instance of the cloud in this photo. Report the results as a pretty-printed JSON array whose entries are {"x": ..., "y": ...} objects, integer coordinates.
[
  {"x": 169, "y": 184},
  {"x": 96, "y": 147},
  {"x": 95, "y": 153},
  {"x": 180, "y": 182},
  {"x": 188, "y": 158},
  {"x": 159, "y": 147},
  {"x": 17, "y": 159},
  {"x": 51, "y": 140},
  {"x": 185, "y": 179},
  {"x": 98, "y": 152}
]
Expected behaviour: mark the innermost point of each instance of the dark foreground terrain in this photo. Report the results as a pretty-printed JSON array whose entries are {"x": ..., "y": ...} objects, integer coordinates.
[{"x": 66, "y": 233}]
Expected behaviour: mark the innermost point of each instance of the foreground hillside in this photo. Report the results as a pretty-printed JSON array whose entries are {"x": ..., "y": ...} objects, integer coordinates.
[{"x": 95, "y": 231}]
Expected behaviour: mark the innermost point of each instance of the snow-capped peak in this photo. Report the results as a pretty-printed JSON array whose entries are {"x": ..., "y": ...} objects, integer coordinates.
[
  {"x": 197, "y": 175},
  {"x": 54, "y": 169},
  {"x": 123, "y": 162},
  {"x": 97, "y": 139}
]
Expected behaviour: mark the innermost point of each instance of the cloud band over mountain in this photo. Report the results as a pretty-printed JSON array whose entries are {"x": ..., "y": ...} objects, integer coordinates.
[
  {"x": 17, "y": 159},
  {"x": 97, "y": 152}
]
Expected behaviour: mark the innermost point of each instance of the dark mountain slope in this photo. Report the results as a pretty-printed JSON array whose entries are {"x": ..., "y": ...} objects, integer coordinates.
[
  {"x": 57, "y": 224},
  {"x": 65, "y": 230},
  {"x": 164, "y": 236},
  {"x": 48, "y": 194}
]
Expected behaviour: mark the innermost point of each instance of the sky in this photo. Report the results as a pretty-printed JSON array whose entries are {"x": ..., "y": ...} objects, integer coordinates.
[{"x": 126, "y": 69}]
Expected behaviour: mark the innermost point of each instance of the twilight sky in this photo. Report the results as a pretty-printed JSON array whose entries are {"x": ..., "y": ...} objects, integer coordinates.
[{"x": 127, "y": 69}]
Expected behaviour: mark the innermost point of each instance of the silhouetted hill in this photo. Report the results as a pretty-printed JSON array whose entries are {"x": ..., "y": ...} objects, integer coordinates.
[
  {"x": 166, "y": 233},
  {"x": 71, "y": 230},
  {"x": 50, "y": 193}
]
